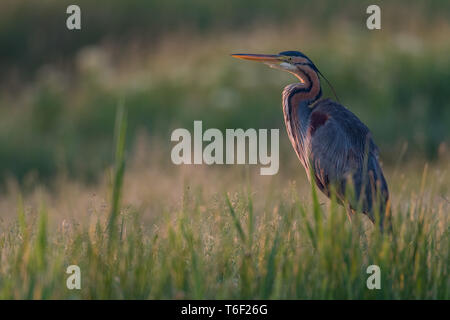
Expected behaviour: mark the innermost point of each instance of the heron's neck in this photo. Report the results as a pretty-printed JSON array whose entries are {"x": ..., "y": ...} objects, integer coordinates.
[
  {"x": 309, "y": 89},
  {"x": 298, "y": 102}
]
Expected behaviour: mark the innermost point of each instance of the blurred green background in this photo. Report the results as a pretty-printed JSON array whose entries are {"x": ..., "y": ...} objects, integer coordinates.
[{"x": 169, "y": 61}]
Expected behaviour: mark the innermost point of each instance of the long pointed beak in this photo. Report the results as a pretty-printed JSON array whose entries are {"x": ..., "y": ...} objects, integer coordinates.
[
  {"x": 270, "y": 58},
  {"x": 276, "y": 61}
]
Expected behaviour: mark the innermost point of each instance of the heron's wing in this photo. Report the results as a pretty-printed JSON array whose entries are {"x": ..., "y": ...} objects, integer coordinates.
[{"x": 341, "y": 147}]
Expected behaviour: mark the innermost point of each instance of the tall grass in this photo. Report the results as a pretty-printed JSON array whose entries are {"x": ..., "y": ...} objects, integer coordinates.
[{"x": 225, "y": 247}]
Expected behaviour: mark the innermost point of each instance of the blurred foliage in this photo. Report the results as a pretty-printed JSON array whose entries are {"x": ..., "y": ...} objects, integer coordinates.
[
  {"x": 60, "y": 89},
  {"x": 33, "y": 33}
]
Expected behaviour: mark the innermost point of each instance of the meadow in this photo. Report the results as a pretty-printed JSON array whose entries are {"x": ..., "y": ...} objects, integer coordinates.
[
  {"x": 86, "y": 177},
  {"x": 183, "y": 235}
]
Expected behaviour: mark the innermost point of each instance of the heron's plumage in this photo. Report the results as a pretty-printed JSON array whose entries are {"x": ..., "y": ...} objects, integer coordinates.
[
  {"x": 334, "y": 146},
  {"x": 341, "y": 150}
]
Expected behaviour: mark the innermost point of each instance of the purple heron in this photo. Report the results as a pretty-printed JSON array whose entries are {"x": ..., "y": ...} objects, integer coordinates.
[{"x": 334, "y": 146}]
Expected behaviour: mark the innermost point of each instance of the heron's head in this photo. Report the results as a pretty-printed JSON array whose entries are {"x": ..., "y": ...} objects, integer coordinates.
[{"x": 294, "y": 62}]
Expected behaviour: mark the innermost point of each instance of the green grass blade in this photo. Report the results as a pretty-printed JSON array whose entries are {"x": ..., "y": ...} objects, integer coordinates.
[
  {"x": 237, "y": 223},
  {"x": 119, "y": 168}
]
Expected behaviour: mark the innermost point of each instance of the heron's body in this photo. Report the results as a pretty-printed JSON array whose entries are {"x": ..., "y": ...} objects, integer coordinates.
[{"x": 334, "y": 146}]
